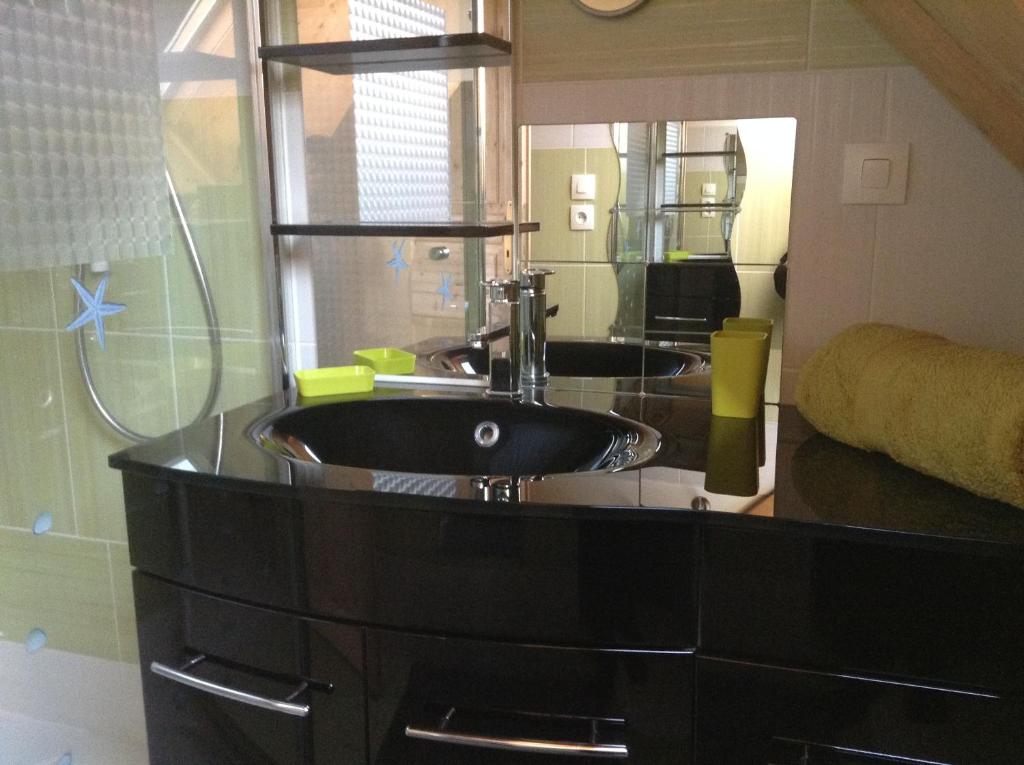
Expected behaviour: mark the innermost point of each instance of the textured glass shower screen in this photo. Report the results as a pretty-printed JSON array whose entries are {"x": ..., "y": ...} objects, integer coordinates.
[
  {"x": 401, "y": 121},
  {"x": 81, "y": 153}
]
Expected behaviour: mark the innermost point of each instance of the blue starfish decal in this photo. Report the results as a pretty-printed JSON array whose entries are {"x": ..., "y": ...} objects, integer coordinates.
[
  {"x": 445, "y": 290},
  {"x": 94, "y": 309},
  {"x": 396, "y": 261}
]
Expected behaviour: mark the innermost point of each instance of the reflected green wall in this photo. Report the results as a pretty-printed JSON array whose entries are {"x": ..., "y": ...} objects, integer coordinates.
[{"x": 584, "y": 284}]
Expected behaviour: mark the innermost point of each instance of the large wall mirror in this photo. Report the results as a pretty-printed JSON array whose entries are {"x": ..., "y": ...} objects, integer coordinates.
[{"x": 659, "y": 231}]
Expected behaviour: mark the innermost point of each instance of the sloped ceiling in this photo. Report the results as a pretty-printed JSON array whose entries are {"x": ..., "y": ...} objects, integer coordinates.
[{"x": 973, "y": 50}]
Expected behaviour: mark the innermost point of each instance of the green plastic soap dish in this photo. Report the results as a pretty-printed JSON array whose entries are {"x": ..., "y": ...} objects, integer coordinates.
[
  {"x": 331, "y": 381},
  {"x": 387, "y": 361}
]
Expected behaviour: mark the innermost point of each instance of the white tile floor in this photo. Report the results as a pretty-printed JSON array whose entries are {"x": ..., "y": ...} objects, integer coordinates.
[
  {"x": 28, "y": 741},
  {"x": 59, "y": 708}
]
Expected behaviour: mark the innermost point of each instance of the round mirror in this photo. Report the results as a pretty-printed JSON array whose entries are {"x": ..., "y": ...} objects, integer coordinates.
[{"x": 609, "y": 7}]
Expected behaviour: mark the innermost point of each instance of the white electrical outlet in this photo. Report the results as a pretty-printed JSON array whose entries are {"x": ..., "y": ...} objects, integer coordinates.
[
  {"x": 707, "y": 201},
  {"x": 581, "y": 217}
]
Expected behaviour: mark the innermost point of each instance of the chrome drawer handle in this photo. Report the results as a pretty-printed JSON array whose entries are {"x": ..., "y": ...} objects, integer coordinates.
[
  {"x": 215, "y": 689},
  {"x": 441, "y": 734},
  {"x": 681, "y": 318},
  {"x": 569, "y": 748}
]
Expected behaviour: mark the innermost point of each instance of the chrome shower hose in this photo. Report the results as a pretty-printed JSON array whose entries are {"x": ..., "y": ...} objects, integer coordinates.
[{"x": 212, "y": 323}]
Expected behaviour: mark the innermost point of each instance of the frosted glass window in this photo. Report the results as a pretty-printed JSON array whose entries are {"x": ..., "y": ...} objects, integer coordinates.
[
  {"x": 81, "y": 156},
  {"x": 673, "y": 143},
  {"x": 401, "y": 121},
  {"x": 638, "y": 163}
]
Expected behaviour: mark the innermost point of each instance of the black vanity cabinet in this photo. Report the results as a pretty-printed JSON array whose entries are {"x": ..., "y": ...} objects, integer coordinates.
[
  {"x": 309, "y": 622},
  {"x": 687, "y": 301},
  {"x": 819, "y": 647},
  {"x": 757, "y": 714},
  {"x": 415, "y": 635},
  {"x": 230, "y": 684}
]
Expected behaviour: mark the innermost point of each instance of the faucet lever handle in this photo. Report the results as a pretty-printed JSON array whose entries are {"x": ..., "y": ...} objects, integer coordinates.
[
  {"x": 503, "y": 291},
  {"x": 533, "y": 278}
]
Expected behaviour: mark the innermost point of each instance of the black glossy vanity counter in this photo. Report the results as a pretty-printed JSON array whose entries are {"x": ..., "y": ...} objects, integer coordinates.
[
  {"x": 819, "y": 483},
  {"x": 866, "y": 615}
]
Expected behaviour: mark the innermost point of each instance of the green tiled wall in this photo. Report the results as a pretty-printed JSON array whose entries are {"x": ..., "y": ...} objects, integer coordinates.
[
  {"x": 584, "y": 284},
  {"x": 246, "y": 365},
  {"x": 549, "y": 204},
  {"x": 551, "y": 170},
  {"x": 587, "y": 296},
  {"x": 124, "y": 605},
  {"x": 61, "y": 585},
  {"x": 35, "y": 478},
  {"x": 27, "y": 301}
]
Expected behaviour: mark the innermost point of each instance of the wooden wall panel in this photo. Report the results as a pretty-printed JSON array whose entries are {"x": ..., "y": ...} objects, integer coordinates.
[{"x": 971, "y": 51}]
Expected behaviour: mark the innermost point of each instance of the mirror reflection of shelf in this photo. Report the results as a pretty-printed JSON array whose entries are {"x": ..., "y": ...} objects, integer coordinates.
[
  {"x": 452, "y": 229},
  {"x": 734, "y": 165},
  {"x": 683, "y": 154},
  {"x": 683, "y": 207}
]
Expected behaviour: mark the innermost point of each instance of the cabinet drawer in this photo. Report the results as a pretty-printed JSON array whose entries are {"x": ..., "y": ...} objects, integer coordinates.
[
  {"x": 436, "y": 700},
  {"x": 680, "y": 314},
  {"x": 226, "y": 684},
  {"x": 840, "y": 604},
  {"x": 507, "y": 577},
  {"x": 759, "y": 715},
  {"x": 696, "y": 279}
]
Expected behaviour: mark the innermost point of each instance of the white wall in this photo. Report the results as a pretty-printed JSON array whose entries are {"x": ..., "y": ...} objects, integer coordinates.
[
  {"x": 950, "y": 260},
  {"x": 761, "y": 233}
]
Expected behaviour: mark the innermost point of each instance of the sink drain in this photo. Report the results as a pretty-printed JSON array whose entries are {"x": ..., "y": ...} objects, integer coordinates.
[{"x": 487, "y": 434}]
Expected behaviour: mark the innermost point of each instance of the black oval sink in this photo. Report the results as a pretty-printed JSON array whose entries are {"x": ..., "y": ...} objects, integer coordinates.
[
  {"x": 576, "y": 358},
  {"x": 449, "y": 437}
]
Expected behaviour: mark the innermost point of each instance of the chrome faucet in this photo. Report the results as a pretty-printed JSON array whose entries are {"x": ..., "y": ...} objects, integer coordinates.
[
  {"x": 483, "y": 336},
  {"x": 504, "y": 369},
  {"x": 533, "y": 326},
  {"x": 524, "y": 364}
]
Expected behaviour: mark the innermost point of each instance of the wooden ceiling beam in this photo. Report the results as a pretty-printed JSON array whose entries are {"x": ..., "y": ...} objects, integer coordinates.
[{"x": 977, "y": 83}]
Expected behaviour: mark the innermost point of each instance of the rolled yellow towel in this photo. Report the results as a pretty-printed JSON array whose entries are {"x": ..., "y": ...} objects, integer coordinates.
[{"x": 952, "y": 411}]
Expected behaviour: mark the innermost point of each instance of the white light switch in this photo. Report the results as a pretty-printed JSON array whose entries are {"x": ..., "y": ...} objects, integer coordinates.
[
  {"x": 708, "y": 189},
  {"x": 583, "y": 186},
  {"x": 581, "y": 217},
  {"x": 875, "y": 173}
]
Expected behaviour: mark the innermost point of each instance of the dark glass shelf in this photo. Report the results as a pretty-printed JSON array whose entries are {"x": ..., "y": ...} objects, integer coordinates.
[
  {"x": 451, "y": 229},
  {"x": 709, "y": 258},
  {"x": 678, "y": 154},
  {"x": 700, "y": 207},
  {"x": 397, "y": 54}
]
